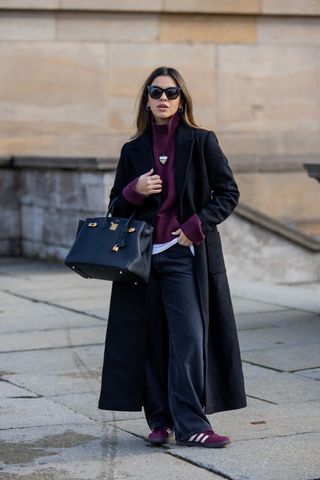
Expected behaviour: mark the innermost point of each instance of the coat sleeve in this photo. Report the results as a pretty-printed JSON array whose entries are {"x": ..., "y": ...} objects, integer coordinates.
[
  {"x": 121, "y": 207},
  {"x": 224, "y": 190}
]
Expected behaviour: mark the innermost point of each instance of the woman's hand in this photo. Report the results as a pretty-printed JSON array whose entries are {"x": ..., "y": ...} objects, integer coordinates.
[
  {"x": 182, "y": 240},
  {"x": 149, "y": 184}
]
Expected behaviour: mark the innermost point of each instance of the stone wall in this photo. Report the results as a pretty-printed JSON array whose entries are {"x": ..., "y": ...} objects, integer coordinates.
[
  {"x": 42, "y": 200},
  {"x": 41, "y": 204},
  {"x": 71, "y": 70}
]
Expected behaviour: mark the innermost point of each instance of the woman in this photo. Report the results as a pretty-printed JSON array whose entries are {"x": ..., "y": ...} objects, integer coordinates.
[{"x": 171, "y": 345}]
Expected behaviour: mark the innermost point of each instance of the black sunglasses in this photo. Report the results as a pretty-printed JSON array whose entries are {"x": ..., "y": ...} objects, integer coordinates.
[{"x": 156, "y": 92}]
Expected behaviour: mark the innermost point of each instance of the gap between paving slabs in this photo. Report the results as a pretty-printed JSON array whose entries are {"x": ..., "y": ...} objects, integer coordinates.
[{"x": 167, "y": 450}]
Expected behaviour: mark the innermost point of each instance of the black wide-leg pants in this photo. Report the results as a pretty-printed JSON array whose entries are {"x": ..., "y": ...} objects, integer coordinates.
[{"x": 174, "y": 376}]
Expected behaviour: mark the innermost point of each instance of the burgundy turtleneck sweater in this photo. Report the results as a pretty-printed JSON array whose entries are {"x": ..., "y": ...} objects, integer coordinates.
[{"x": 167, "y": 216}]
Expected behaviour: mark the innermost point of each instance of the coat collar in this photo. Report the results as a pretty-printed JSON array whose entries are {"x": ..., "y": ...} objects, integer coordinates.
[{"x": 183, "y": 153}]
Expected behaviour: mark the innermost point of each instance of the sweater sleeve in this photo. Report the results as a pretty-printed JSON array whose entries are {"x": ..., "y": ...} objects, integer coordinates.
[
  {"x": 130, "y": 194},
  {"x": 192, "y": 229}
]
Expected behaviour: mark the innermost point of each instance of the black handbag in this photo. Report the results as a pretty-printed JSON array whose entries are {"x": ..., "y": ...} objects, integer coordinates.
[{"x": 112, "y": 248}]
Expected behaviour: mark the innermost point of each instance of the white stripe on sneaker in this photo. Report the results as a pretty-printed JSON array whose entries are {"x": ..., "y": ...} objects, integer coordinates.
[
  {"x": 199, "y": 437},
  {"x": 191, "y": 438},
  {"x": 204, "y": 438}
]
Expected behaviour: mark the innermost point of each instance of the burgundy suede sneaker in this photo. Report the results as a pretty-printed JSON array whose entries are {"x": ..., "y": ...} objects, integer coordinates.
[
  {"x": 160, "y": 435},
  {"x": 208, "y": 439}
]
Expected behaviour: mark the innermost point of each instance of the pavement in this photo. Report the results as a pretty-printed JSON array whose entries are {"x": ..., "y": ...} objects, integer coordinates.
[{"x": 53, "y": 325}]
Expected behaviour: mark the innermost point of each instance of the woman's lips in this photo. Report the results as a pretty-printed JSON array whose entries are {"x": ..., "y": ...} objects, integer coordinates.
[{"x": 162, "y": 107}]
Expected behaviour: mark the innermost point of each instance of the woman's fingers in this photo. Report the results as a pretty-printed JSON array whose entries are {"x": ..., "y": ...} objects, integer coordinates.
[
  {"x": 182, "y": 239},
  {"x": 149, "y": 184}
]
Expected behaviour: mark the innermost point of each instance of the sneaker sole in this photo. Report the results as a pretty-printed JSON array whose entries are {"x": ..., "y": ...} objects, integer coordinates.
[
  {"x": 158, "y": 442},
  {"x": 205, "y": 445}
]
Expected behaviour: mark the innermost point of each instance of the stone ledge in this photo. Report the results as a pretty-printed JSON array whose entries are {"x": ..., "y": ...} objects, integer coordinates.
[
  {"x": 313, "y": 170},
  {"x": 270, "y": 163},
  {"x": 240, "y": 163},
  {"x": 5, "y": 161},
  {"x": 231, "y": 7},
  {"x": 271, "y": 225},
  {"x": 64, "y": 163}
]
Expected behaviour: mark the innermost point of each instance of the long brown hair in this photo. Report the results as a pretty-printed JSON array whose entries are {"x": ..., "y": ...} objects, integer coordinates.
[{"x": 144, "y": 116}]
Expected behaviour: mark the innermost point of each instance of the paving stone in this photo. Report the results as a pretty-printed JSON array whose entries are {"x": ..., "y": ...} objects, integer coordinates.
[
  {"x": 253, "y": 422},
  {"x": 61, "y": 360},
  {"x": 242, "y": 305},
  {"x": 67, "y": 337},
  {"x": 90, "y": 452},
  {"x": 281, "y": 295},
  {"x": 277, "y": 336},
  {"x": 283, "y": 458},
  {"x": 7, "y": 390},
  {"x": 287, "y": 318},
  {"x": 288, "y": 358},
  {"x": 50, "y": 384},
  {"x": 92, "y": 306},
  {"x": 314, "y": 373},
  {"x": 87, "y": 404},
  {"x": 29, "y": 316},
  {"x": 30, "y": 412},
  {"x": 279, "y": 387}
]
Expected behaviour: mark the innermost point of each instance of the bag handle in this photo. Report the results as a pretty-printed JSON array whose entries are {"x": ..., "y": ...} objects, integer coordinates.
[{"x": 121, "y": 243}]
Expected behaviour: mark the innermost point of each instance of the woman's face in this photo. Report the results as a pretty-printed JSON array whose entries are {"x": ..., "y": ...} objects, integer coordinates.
[{"x": 163, "y": 109}]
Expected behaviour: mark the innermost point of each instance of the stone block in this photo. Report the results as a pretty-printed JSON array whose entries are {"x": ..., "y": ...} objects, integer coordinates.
[
  {"x": 10, "y": 247},
  {"x": 40, "y": 188},
  {"x": 264, "y": 144},
  {"x": 218, "y": 6},
  {"x": 288, "y": 31},
  {"x": 33, "y": 219},
  {"x": 107, "y": 27},
  {"x": 15, "y": 26},
  {"x": 30, "y": 4},
  {"x": 263, "y": 191},
  {"x": 8, "y": 188},
  {"x": 290, "y": 7},
  {"x": 267, "y": 87},
  {"x": 207, "y": 29},
  {"x": 74, "y": 74},
  {"x": 10, "y": 222},
  {"x": 265, "y": 256},
  {"x": 142, "y": 5}
]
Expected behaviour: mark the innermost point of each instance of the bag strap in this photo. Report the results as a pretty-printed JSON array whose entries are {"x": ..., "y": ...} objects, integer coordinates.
[{"x": 121, "y": 243}]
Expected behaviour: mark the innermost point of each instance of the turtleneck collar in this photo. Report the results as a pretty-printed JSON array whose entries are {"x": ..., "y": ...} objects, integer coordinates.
[{"x": 167, "y": 128}]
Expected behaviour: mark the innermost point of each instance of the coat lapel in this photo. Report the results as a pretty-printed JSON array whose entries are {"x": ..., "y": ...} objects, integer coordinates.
[{"x": 183, "y": 155}]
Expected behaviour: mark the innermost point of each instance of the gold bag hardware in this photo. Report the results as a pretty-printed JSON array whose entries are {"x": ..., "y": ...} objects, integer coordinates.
[
  {"x": 113, "y": 226},
  {"x": 131, "y": 229},
  {"x": 115, "y": 248},
  {"x": 94, "y": 224}
]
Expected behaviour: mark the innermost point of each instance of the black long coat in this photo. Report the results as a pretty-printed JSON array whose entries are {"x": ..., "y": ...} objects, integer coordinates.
[{"x": 204, "y": 185}]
